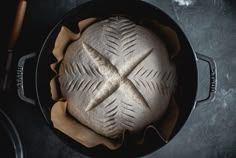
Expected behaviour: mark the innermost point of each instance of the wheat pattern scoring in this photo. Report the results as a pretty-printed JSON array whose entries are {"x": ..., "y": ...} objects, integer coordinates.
[
  {"x": 162, "y": 82},
  {"x": 80, "y": 77},
  {"x": 100, "y": 80},
  {"x": 121, "y": 36}
]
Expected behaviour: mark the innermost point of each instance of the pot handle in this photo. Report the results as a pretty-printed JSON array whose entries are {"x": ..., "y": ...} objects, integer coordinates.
[
  {"x": 213, "y": 77},
  {"x": 20, "y": 80}
]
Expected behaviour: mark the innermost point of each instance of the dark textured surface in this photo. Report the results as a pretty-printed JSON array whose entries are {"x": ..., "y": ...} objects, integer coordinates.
[{"x": 210, "y": 131}]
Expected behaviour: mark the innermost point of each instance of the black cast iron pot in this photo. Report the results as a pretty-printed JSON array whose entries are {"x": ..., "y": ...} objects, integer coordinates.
[
  {"x": 187, "y": 63},
  {"x": 10, "y": 142}
]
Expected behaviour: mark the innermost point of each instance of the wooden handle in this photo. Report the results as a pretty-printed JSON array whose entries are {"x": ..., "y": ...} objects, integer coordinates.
[{"x": 20, "y": 13}]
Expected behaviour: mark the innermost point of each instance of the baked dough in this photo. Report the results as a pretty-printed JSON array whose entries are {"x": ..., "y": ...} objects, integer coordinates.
[{"x": 117, "y": 77}]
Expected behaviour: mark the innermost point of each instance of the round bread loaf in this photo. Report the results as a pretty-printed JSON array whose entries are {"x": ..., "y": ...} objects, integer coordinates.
[{"x": 117, "y": 77}]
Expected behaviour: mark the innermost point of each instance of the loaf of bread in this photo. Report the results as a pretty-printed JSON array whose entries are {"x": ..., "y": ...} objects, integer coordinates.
[{"x": 117, "y": 77}]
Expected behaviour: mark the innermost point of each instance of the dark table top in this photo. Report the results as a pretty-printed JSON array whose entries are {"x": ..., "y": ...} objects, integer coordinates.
[{"x": 210, "y": 131}]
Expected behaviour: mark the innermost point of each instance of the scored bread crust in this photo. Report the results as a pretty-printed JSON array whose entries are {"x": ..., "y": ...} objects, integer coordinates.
[{"x": 116, "y": 83}]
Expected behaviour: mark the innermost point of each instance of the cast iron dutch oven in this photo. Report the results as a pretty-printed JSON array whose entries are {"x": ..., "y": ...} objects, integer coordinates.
[
  {"x": 10, "y": 142},
  {"x": 186, "y": 62}
]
